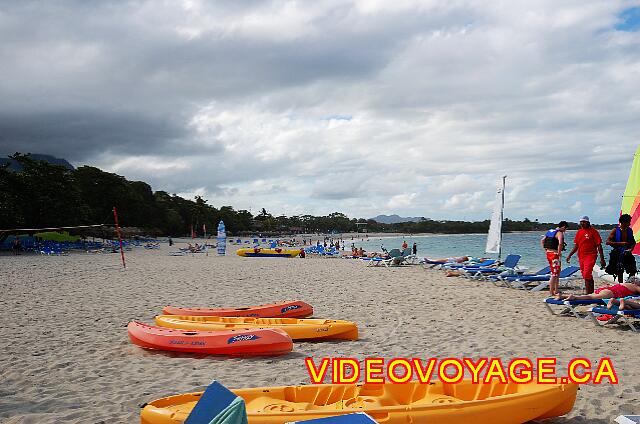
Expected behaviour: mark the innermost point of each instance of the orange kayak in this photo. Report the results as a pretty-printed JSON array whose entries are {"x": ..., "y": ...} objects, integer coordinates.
[
  {"x": 291, "y": 309},
  {"x": 260, "y": 341},
  {"x": 298, "y": 329},
  {"x": 389, "y": 403}
]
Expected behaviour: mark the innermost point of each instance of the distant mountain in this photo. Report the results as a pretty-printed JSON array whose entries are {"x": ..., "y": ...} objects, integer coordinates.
[
  {"x": 13, "y": 165},
  {"x": 394, "y": 219}
]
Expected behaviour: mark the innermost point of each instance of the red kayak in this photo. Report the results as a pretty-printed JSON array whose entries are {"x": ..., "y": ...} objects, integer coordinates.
[
  {"x": 292, "y": 309},
  {"x": 261, "y": 341}
]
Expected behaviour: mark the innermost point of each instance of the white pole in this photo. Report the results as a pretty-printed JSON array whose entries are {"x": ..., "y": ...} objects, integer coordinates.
[{"x": 501, "y": 218}]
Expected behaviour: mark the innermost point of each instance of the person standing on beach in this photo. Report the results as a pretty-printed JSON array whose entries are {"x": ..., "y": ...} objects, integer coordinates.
[
  {"x": 553, "y": 244},
  {"x": 404, "y": 245},
  {"x": 621, "y": 239},
  {"x": 16, "y": 246},
  {"x": 588, "y": 244},
  {"x": 415, "y": 249}
]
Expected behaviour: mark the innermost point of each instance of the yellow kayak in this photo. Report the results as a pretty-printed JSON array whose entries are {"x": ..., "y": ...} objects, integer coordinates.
[
  {"x": 298, "y": 329},
  {"x": 389, "y": 403},
  {"x": 259, "y": 252}
]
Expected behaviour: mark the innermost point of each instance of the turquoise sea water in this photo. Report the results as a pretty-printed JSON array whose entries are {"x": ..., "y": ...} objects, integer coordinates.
[{"x": 526, "y": 244}]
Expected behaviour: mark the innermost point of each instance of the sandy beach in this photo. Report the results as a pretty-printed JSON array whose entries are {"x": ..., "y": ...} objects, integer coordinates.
[{"x": 66, "y": 356}]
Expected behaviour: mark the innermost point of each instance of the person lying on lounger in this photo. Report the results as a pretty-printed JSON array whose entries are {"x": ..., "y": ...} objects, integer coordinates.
[
  {"x": 459, "y": 259},
  {"x": 615, "y": 291},
  {"x": 624, "y": 304}
]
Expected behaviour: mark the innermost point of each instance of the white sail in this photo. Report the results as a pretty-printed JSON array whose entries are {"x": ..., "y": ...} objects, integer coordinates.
[{"x": 494, "y": 238}]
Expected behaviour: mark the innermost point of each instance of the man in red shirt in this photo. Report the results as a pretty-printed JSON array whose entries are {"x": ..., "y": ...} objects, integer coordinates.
[{"x": 588, "y": 244}]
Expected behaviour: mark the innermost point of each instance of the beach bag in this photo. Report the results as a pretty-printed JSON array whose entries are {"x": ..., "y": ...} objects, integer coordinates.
[{"x": 612, "y": 266}]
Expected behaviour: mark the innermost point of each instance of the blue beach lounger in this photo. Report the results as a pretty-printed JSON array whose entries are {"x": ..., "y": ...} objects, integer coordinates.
[
  {"x": 501, "y": 280},
  {"x": 393, "y": 254},
  {"x": 482, "y": 264},
  {"x": 510, "y": 262},
  {"x": 542, "y": 271},
  {"x": 630, "y": 317},
  {"x": 430, "y": 262},
  {"x": 375, "y": 261},
  {"x": 525, "y": 282},
  {"x": 569, "y": 306}
]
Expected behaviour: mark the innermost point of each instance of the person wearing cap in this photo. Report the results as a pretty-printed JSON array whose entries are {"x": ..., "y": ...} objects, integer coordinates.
[{"x": 588, "y": 244}]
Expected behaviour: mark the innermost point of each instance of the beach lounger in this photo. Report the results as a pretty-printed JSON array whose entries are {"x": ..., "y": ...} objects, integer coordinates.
[
  {"x": 429, "y": 264},
  {"x": 570, "y": 306},
  {"x": 541, "y": 272},
  {"x": 510, "y": 263},
  {"x": 395, "y": 257},
  {"x": 628, "y": 419},
  {"x": 537, "y": 283},
  {"x": 482, "y": 264},
  {"x": 428, "y": 261},
  {"x": 502, "y": 280},
  {"x": 408, "y": 257},
  {"x": 629, "y": 317},
  {"x": 401, "y": 258},
  {"x": 374, "y": 261}
]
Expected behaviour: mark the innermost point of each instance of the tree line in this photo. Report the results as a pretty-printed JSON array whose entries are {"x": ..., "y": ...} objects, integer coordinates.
[{"x": 41, "y": 194}]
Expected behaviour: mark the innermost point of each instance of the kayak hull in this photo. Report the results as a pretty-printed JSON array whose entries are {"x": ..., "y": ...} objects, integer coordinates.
[
  {"x": 292, "y": 309},
  {"x": 256, "y": 342},
  {"x": 415, "y": 403},
  {"x": 297, "y": 329}
]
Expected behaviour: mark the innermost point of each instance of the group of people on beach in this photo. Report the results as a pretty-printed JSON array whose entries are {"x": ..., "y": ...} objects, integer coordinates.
[{"x": 587, "y": 243}]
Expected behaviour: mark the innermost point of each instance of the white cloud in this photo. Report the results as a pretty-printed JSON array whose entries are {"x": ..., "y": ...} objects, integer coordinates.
[
  {"x": 401, "y": 201},
  {"x": 411, "y": 107},
  {"x": 577, "y": 207}
]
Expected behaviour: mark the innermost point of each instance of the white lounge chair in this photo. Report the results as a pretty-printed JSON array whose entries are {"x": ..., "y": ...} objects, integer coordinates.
[{"x": 628, "y": 419}]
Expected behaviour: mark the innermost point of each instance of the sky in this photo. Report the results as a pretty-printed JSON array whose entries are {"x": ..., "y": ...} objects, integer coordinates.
[{"x": 415, "y": 108}]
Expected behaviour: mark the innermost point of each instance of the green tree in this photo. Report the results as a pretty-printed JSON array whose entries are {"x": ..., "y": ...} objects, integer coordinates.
[{"x": 47, "y": 194}]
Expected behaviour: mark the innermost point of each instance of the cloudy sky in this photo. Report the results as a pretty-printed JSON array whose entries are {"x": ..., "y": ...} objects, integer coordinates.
[{"x": 364, "y": 107}]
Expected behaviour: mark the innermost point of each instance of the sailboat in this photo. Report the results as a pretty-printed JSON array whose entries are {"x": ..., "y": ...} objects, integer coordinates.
[
  {"x": 630, "y": 205},
  {"x": 494, "y": 237},
  {"x": 631, "y": 198}
]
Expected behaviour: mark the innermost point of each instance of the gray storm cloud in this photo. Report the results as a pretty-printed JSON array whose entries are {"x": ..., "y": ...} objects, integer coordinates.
[{"x": 363, "y": 107}]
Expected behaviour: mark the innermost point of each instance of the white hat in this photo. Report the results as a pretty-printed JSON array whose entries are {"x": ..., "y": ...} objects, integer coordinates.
[{"x": 585, "y": 218}]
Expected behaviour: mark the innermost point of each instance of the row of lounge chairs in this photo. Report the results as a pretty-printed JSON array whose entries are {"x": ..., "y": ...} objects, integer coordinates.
[
  {"x": 503, "y": 275},
  {"x": 597, "y": 312},
  {"x": 395, "y": 258},
  {"x": 320, "y": 250},
  {"x": 539, "y": 280},
  {"x": 182, "y": 251},
  {"x": 507, "y": 273}
]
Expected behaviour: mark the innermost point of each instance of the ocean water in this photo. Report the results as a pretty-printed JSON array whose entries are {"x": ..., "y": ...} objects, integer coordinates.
[{"x": 525, "y": 244}]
